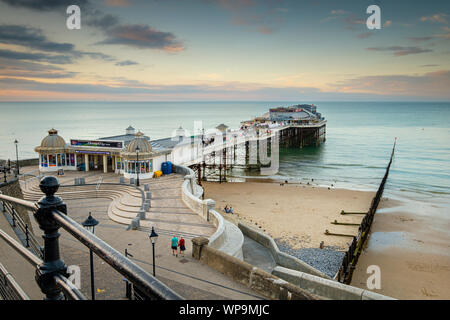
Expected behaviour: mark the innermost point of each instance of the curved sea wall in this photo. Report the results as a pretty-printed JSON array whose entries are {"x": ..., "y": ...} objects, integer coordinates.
[
  {"x": 227, "y": 238},
  {"x": 282, "y": 259},
  {"x": 326, "y": 288}
]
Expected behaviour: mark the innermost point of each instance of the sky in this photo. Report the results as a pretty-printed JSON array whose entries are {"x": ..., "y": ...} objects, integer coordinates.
[{"x": 224, "y": 50}]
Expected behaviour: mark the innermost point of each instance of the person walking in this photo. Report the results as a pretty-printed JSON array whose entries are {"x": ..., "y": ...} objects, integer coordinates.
[
  {"x": 181, "y": 244},
  {"x": 174, "y": 245}
]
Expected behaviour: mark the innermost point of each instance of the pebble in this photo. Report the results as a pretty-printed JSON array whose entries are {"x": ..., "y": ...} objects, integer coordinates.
[{"x": 328, "y": 260}]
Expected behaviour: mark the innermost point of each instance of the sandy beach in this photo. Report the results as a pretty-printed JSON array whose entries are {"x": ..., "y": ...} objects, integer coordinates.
[
  {"x": 417, "y": 266},
  {"x": 294, "y": 213}
]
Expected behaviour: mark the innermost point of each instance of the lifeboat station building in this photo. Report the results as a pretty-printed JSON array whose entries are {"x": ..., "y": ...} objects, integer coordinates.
[{"x": 126, "y": 154}]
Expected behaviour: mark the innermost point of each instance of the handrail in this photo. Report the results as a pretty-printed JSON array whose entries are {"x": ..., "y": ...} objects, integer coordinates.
[
  {"x": 70, "y": 291},
  {"x": 68, "y": 287},
  {"x": 99, "y": 182},
  {"x": 27, "y": 204},
  {"x": 135, "y": 274},
  {"x": 15, "y": 291},
  {"x": 24, "y": 252},
  {"x": 31, "y": 241}
]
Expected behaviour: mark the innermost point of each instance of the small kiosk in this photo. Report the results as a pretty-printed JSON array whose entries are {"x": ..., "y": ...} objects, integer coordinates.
[{"x": 138, "y": 158}]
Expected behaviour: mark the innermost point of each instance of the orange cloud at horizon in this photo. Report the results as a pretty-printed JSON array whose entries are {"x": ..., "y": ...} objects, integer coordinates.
[{"x": 117, "y": 3}]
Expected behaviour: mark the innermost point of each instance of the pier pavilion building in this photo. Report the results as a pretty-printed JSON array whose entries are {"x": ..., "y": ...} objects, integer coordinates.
[
  {"x": 299, "y": 113},
  {"x": 126, "y": 154}
]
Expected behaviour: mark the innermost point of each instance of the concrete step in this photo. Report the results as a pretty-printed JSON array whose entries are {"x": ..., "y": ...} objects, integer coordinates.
[
  {"x": 124, "y": 189},
  {"x": 33, "y": 196},
  {"x": 118, "y": 219}
]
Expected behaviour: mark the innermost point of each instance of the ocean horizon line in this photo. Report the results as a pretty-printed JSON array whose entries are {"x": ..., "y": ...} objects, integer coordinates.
[{"x": 228, "y": 101}]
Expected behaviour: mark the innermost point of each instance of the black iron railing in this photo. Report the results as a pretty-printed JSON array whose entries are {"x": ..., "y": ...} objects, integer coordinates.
[
  {"x": 16, "y": 221},
  {"x": 51, "y": 274},
  {"x": 9, "y": 289}
]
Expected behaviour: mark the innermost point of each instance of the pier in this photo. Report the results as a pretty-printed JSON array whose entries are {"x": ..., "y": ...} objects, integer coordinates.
[
  {"x": 255, "y": 145},
  {"x": 249, "y": 148}
]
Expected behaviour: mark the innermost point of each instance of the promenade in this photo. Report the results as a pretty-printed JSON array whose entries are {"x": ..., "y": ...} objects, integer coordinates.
[{"x": 186, "y": 276}]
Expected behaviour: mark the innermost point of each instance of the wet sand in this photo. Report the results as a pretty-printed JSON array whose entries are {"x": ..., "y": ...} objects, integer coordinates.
[
  {"x": 413, "y": 253},
  {"x": 294, "y": 213}
]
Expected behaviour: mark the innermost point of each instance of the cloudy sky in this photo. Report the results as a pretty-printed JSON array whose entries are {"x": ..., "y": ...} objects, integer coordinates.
[{"x": 158, "y": 50}]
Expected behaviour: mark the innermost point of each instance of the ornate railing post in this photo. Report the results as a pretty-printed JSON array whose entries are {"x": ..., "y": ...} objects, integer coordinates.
[{"x": 52, "y": 264}]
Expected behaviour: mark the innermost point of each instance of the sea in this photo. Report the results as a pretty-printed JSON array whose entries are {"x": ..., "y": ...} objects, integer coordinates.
[{"x": 359, "y": 140}]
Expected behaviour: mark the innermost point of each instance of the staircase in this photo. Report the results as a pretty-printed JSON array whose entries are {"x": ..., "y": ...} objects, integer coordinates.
[{"x": 167, "y": 213}]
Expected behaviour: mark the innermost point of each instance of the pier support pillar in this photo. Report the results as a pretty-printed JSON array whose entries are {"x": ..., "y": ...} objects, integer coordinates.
[
  {"x": 204, "y": 171},
  {"x": 246, "y": 152},
  {"x": 105, "y": 163}
]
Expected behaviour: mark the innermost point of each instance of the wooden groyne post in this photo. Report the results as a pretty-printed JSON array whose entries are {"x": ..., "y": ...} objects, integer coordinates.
[{"x": 351, "y": 257}]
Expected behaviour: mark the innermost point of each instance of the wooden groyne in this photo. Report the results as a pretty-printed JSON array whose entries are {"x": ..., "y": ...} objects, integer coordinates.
[{"x": 351, "y": 257}]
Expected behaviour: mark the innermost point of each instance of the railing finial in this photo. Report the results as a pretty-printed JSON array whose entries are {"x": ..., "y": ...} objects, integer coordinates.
[{"x": 49, "y": 185}]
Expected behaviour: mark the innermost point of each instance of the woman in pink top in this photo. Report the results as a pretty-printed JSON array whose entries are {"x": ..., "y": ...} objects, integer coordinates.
[{"x": 181, "y": 244}]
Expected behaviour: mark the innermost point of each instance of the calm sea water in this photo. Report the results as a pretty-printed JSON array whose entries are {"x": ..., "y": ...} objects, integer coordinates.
[{"x": 360, "y": 136}]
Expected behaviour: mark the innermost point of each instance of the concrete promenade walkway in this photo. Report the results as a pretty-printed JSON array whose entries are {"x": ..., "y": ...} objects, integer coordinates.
[{"x": 186, "y": 276}]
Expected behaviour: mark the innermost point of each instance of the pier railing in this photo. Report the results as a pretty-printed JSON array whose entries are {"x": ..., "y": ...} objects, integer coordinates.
[
  {"x": 351, "y": 256},
  {"x": 51, "y": 272},
  {"x": 16, "y": 221},
  {"x": 9, "y": 288}
]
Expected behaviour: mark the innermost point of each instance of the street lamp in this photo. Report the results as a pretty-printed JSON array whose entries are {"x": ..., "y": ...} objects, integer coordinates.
[
  {"x": 137, "y": 164},
  {"x": 153, "y": 237},
  {"x": 17, "y": 156},
  {"x": 4, "y": 173},
  {"x": 6, "y": 169},
  {"x": 90, "y": 224}
]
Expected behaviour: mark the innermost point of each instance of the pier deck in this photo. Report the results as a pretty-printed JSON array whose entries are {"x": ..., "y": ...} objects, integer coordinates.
[{"x": 242, "y": 148}]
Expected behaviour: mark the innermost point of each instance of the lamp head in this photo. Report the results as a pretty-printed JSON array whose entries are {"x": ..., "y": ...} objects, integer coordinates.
[
  {"x": 153, "y": 235},
  {"x": 90, "y": 223}
]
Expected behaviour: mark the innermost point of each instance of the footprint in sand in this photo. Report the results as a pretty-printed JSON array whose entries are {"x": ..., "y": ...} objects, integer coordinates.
[{"x": 427, "y": 293}]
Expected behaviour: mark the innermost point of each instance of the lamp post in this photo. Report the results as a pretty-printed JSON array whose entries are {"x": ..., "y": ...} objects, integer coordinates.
[
  {"x": 90, "y": 224},
  {"x": 6, "y": 169},
  {"x": 17, "y": 156},
  {"x": 153, "y": 237},
  {"x": 137, "y": 165},
  {"x": 4, "y": 173}
]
